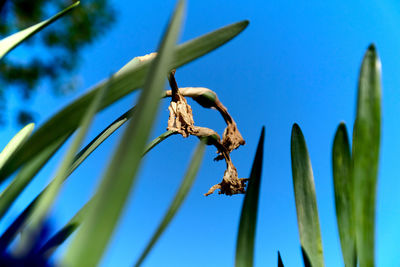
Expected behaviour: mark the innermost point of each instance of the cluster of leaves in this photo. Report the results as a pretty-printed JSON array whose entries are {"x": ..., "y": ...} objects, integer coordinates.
[
  {"x": 354, "y": 176},
  {"x": 62, "y": 43},
  {"x": 94, "y": 224}
]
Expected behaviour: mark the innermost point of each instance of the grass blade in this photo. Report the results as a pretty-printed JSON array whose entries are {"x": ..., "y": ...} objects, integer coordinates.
[
  {"x": 12, "y": 41},
  {"x": 91, "y": 240},
  {"x": 15, "y": 143},
  {"x": 130, "y": 79},
  {"x": 306, "y": 203},
  {"x": 344, "y": 187},
  {"x": 366, "y": 139},
  {"x": 248, "y": 216},
  {"x": 180, "y": 196}
]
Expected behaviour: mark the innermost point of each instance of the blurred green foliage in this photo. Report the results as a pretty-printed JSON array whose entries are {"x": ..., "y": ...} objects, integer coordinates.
[{"x": 60, "y": 45}]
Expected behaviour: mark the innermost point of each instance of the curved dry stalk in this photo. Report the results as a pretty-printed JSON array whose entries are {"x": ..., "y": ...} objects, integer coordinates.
[
  {"x": 231, "y": 137},
  {"x": 181, "y": 121}
]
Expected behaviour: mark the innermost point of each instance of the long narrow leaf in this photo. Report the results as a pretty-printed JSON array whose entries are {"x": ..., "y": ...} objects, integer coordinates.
[
  {"x": 158, "y": 140},
  {"x": 306, "y": 202},
  {"x": 92, "y": 238},
  {"x": 366, "y": 139},
  {"x": 180, "y": 196},
  {"x": 100, "y": 138},
  {"x": 58, "y": 239},
  {"x": 45, "y": 202},
  {"x": 344, "y": 188},
  {"x": 248, "y": 217},
  {"x": 132, "y": 78},
  {"x": 15, "y": 143},
  {"x": 12, "y": 41},
  {"x": 77, "y": 219},
  {"x": 27, "y": 173}
]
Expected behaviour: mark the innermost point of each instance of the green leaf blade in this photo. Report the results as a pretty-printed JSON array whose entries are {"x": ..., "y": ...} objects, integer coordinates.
[
  {"x": 39, "y": 212},
  {"x": 248, "y": 217},
  {"x": 92, "y": 238},
  {"x": 306, "y": 203},
  {"x": 180, "y": 196},
  {"x": 26, "y": 175},
  {"x": 63, "y": 234},
  {"x": 344, "y": 187},
  {"x": 15, "y": 143},
  {"x": 366, "y": 145},
  {"x": 9, "y": 43}
]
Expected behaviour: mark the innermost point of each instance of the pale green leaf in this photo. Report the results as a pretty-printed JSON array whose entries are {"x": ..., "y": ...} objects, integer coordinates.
[
  {"x": 40, "y": 210},
  {"x": 27, "y": 173},
  {"x": 306, "y": 201},
  {"x": 12, "y": 41},
  {"x": 75, "y": 221},
  {"x": 180, "y": 196},
  {"x": 15, "y": 143},
  {"x": 92, "y": 238}
]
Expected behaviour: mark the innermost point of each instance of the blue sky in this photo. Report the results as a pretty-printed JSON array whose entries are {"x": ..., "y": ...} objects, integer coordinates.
[{"x": 296, "y": 62}]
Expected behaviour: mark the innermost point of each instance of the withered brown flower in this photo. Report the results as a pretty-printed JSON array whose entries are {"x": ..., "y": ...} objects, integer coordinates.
[
  {"x": 180, "y": 116},
  {"x": 230, "y": 184}
]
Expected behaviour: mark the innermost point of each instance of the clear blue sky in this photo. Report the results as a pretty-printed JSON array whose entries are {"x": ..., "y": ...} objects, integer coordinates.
[{"x": 296, "y": 62}]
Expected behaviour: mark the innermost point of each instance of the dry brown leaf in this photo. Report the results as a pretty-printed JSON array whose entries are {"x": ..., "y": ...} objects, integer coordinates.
[
  {"x": 180, "y": 116},
  {"x": 230, "y": 184}
]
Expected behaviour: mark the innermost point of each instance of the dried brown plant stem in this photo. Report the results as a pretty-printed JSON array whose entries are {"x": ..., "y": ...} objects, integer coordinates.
[{"x": 181, "y": 120}]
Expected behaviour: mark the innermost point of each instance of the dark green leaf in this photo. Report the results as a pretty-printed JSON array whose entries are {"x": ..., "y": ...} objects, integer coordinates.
[
  {"x": 157, "y": 140},
  {"x": 366, "y": 139},
  {"x": 344, "y": 188},
  {"x": 280, "y": 262},
  {"x": 306, "y": 202},
  {"x": 248, "y": 217}
]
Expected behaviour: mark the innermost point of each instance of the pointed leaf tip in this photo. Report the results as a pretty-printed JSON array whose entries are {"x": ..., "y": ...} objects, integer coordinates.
[
  {"x": 248, "y": 217},
  {"x": 372, "y": 48},
  {"x": 280, "y": 262}
]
